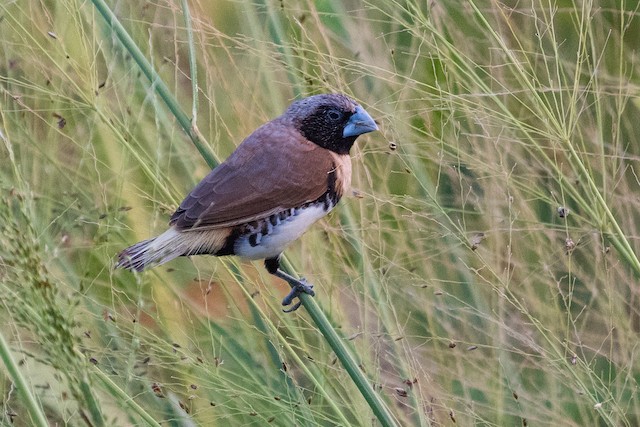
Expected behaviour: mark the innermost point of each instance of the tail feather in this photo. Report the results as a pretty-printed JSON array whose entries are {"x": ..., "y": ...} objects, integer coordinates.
[
  {"x": 169, "y": 245},
  {"x": 147, "y": 253},
  {"x": 134, "y": 257}
]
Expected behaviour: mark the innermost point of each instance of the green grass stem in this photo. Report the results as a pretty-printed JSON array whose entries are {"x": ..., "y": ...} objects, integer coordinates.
[
  {"x": 193, "y": 66},
  {"x": 33, "y": 407},
  {"x": 156, "y": 81},
  {"x": 123, "y": 397}
]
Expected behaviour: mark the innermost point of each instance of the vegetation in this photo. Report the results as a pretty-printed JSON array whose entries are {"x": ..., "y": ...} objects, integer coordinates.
[{"x": 485, "y": 272}]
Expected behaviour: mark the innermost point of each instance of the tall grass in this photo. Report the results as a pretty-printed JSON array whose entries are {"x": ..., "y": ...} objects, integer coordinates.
[{"x": 485, "y": 273}]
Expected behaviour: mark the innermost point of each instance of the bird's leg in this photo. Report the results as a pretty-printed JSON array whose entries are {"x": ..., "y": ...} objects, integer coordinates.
[{"x": 298, "y": 286}]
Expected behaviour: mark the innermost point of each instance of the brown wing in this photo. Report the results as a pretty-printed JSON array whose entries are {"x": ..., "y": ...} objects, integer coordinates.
[{"x": 274, "y": 169}]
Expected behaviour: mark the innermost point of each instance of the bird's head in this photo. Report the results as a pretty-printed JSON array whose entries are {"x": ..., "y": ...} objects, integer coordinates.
[{"x": 333, "y": 121}]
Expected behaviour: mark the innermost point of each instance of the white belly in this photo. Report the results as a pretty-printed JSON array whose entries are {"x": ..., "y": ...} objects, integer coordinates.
[{"x": 277, "y": 238}]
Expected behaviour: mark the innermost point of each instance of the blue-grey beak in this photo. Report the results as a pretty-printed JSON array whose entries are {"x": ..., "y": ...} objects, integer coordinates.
[{"x": 360, "y": 122}]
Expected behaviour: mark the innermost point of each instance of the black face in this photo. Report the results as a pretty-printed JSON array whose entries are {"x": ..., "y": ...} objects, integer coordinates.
[
  {"x": 325, "y": 126},
  {"x": 322, "y": 119}
]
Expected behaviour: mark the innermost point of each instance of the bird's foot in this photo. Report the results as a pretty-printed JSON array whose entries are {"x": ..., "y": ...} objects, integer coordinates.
[{"x": 299, "y": 287}]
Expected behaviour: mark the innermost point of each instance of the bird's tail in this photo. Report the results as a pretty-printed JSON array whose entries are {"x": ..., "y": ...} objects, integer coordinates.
[
  {"x": 169, "y": 245},
  {"x": 152, "y": 252}
]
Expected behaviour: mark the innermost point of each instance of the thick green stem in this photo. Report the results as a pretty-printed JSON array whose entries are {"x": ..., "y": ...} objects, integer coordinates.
[
  {"x": 33, "y": 407},
  {"x": 374, "y": 400}
]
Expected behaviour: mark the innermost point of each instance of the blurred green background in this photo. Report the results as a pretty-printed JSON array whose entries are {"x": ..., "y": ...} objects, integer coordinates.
[{"x": 485, "y": 271}]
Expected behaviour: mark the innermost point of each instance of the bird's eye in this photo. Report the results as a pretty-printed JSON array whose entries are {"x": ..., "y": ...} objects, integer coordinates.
[{"x": 334, "y": 115}]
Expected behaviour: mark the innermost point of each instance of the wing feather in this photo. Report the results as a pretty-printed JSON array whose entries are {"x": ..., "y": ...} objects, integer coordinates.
[{"x": 274, "y": 169}]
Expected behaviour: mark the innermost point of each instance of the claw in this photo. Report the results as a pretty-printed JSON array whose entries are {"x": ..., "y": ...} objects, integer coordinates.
[
  {"x": 294, "y": 308},
  {"x": 301, "y": 287}
]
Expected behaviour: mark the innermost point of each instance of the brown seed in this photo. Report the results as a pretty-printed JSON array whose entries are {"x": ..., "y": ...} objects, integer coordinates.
[
  {"x": 157, "y": 390},
  {"x": 401, "y": 392},
  {"x": 61, "y": 120},
  {"x": 410, "y": 382}
]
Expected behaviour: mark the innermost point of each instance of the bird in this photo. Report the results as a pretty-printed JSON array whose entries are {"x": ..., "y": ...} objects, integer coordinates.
[{"x": 282, "y": 178}]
